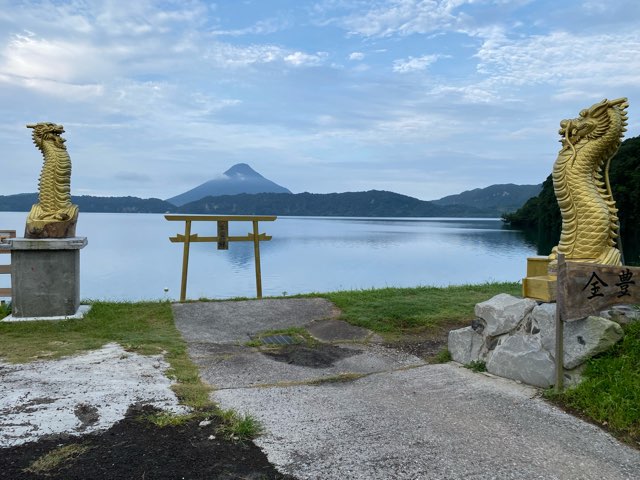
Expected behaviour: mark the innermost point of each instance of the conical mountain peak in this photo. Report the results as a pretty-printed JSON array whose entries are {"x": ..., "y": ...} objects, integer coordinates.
[
  {"x": 242, "y": 169},
  {"x": 240, "y": 178}
]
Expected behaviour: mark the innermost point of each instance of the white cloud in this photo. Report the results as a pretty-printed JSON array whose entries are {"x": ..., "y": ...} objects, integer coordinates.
[
  {"x": 561, "y": 58},
  {"x": 29, "y": 57},
  {"x": 481, "y": 93},
  {"x": 262, "y": 27},
  {"x": 226, "y": 55},
  {"x": 299, "y": 59},
  {"x": 414, "y": 64},
  {"x": 404, "y": 17},
  {"x": 91, "y": 45},
  {"x": 356, "y": 56}
]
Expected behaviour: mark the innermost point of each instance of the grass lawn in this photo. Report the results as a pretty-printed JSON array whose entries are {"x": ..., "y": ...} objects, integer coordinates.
[
  {"x": 402, "y": 311},
  {"x": 610, "y": 393}
]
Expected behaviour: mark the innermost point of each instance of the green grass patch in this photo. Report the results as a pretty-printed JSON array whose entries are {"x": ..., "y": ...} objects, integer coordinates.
[
  {"x": 145, "y": 328},
  {"x": 5, "y": 309},
  {"x": 477, "y": 366},
  {"x": 167, "y": 419},
  {"x": 339, "y": 378},
  {"x": 57, "y": 458},
  {"x": 299, "y": 334},
  {"x": 610, "y": 392},
  {"x": 238, "y": 427},
  {"x": 443, "y": 356},
  {"x": 407, "y": 310}
]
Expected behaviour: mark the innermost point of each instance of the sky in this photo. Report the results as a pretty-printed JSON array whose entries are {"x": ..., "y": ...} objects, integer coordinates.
[{"x": 421, "y": 97}]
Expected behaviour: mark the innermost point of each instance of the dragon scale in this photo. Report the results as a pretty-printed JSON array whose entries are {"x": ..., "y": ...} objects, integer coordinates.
[{"x": 580, "y": 179}]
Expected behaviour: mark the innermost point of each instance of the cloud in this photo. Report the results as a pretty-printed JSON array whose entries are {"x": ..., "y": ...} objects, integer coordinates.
[
  {"x": 132, "y": 177},
  {"x": 403, "y": 17},
  {"x": 414, "y": 64},
  {"x": 226, "y": 55},
  {"x": 231, "y": 56},
  {"x": 299, "y": 59},
  {"x": 356, "y": 56},
  {"x": 29, "y": 57},
  {"x": 561, "y": 58},
  {"x": 262, "y": 27}
]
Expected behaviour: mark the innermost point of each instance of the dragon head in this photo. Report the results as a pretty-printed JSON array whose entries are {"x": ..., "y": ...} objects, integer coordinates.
[
  {"x": 595, "y": 121},
  {"x": 47, "y": 132}
]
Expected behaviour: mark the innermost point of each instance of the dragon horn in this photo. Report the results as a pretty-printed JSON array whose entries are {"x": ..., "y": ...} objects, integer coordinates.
[
  {"x": 618, "y": 101},
  {"x": 31, "y": 125}
]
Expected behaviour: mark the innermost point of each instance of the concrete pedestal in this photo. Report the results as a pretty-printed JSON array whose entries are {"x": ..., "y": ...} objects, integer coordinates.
[{"x": 45, "y": 276}]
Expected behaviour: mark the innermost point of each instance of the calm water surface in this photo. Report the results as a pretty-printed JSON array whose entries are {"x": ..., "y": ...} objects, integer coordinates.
[{"x": 129, "y": 256}]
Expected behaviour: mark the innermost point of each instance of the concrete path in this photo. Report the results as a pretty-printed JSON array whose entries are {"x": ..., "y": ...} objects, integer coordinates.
[{"x": 361, "y": 411}]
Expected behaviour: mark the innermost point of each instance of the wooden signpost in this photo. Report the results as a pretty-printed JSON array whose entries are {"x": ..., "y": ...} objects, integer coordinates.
[
  {"x": 587, "y": 289},
  {"x": 222, "y": 239}
]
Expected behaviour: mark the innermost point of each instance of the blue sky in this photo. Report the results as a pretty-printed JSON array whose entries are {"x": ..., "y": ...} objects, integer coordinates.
[{"x": 421, "y": 97}]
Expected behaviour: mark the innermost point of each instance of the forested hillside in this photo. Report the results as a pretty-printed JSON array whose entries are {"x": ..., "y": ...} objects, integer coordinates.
[
  {"x": 22, "y": 202},
  {"x": 502, "y": 198},
  {"x": 541, "y": 214},
  {"x": 374, "y": 203}
]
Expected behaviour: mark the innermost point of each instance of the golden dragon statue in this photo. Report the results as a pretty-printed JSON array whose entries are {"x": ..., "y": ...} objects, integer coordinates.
[
  {"x": 581, "y": 183},
  {"x": 54, "y": 216}
]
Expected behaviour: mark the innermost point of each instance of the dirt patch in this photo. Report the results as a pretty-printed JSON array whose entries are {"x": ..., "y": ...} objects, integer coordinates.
[
  {"x": 136, "y": 449},
  {"x": 426, "y": 349},
  {"x": 318, "y": 356},
  {"x": 87, "y": 414},
  {"x": 427, "y": 344}
]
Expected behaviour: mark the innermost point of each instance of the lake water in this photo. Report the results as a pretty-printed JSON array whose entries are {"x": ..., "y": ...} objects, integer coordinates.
[{"x": 129, "y": 256}]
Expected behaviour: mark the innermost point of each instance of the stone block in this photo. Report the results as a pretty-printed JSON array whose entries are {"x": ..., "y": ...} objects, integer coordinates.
[
  {"x": 522, "y": 358},
  {"x": 622, "y": 314},
  {"x": 503, "y": 313},
  {"x": 45, "y": 277},
  {"x": 465, "y": 345},
  {"x": 585, "y": 338},
  {"x": 582, "y": 338},
  {"x": 543, "y": 318}
]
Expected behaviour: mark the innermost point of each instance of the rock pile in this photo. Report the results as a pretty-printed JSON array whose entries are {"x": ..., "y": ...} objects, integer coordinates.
[{"x": 515, "y": 337}]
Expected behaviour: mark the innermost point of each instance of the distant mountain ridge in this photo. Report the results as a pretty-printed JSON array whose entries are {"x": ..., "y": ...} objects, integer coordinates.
[
  {"x": 373, "y": 203},
  {"x": 22, "y": 202},
  {"x": 240, "y": 178},
  {"x": 501, "y": 197},
  {"x": 261, "y": 196}
]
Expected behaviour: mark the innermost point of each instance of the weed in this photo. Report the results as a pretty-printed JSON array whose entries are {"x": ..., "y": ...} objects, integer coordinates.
[
  {"x": 239, "y": 427},
  {"x": 299, "y": 334},
  {"x": 168, "y": 419},
  {"x": 57, "y": 458},
  {"x": 477, "y": 366},
  {"x": 443, "y": 356},
  {"x": 339, "y": 378},
  {"x": 5, "y": 309}
]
